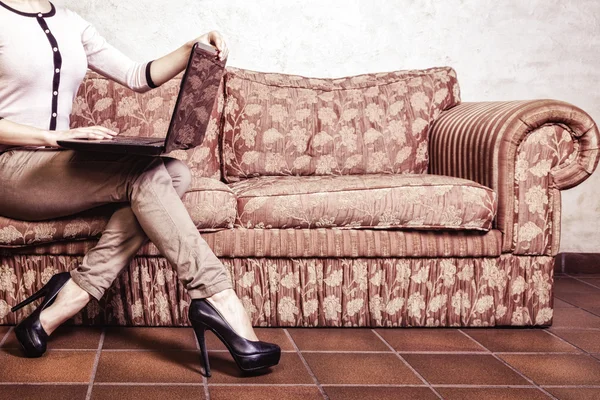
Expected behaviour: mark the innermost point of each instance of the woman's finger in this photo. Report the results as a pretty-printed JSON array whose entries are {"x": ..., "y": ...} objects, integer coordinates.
[
  {"x": 106, "y": 130},
  {"x": 95, "y": 129},
  {"x": 218, "y": 41},
  {"x": 103, "y": 129},
  {"x": 96, "y": 134},
  {"x": 104, "y": 135},
  {"x": 224, "y": 53}
]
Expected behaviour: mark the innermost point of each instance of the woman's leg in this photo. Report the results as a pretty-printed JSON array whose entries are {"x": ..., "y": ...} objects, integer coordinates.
[
  {"x": 121, "y": 240},
  {"x": 119, "y": 243},
  {"x": 70, "y": 182}
]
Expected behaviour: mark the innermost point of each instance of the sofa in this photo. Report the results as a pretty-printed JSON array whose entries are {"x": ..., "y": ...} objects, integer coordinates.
[{"x": 378, "y": 200}]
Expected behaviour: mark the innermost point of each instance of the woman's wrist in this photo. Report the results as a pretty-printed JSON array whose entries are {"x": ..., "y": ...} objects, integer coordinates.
[{"x": 49, "y": 138}]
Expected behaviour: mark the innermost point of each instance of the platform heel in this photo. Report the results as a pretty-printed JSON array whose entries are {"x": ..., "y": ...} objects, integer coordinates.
[{"x": 249, "y": 355}]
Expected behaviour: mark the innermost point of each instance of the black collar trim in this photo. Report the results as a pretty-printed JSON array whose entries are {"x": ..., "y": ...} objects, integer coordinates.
[{"x": 48, "y": 14}]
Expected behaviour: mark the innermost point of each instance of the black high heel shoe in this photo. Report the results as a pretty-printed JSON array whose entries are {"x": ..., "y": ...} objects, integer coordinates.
[
  {"x": 29, "y": 332},
  {"x": 249, "y": 355}
]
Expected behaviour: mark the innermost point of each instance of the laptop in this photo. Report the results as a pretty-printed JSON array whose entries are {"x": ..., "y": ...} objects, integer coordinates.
[{"x": 198, "y": 93}]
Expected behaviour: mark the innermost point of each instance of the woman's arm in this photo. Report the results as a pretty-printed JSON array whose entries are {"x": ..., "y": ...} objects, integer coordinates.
[
  {"x": 165, "y": 68},
  {"x": 15, "y": 134},
  {"x": 108, "y": 61}
]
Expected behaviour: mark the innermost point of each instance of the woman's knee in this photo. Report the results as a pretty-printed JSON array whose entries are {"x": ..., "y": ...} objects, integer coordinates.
[{"x": 180, "y": 174}]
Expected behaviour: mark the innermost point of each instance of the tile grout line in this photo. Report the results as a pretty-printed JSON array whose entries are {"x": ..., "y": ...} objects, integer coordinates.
[
  {"x": 58, "y": 350},
  {"x": 582, "y": 281},
  {"x": 576, "y": 306},
  {"x": 157, "y": 350},
  {"x": 200, "y": 384},
  {"x": 510, "y": 366},
  {"x": 414, "y": 371},
  {"x": 434, "y": 352},
  {"x": 310, "y": 372},
  {"x": 5, "y": 337},
  {"x": 585, "y": 352},
  {"x": 454, "y": 353},
  {"x": 518, "y": 386},
  {"x": 391, "y": 385},
  {"x": 204, "y": 379},
  {"x": 88, "y": 395},
  {"x": 43, "y": 383},
  {"x": 573, "y": 386},
  {"x": 567, "y": 328}
]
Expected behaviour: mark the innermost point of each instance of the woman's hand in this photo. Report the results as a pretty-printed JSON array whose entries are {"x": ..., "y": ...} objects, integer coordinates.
[
  {"x": 213, "y": 38},
  {"x": 166, "y": 67},
  {"x": 90, "y": 132}
]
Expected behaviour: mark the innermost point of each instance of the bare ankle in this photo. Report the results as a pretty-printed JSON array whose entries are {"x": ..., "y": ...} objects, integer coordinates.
[{"x": 221, "y": 296}]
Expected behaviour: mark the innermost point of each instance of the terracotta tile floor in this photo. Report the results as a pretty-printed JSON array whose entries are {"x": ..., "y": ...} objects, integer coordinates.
[{"x": 562, "y": 362}]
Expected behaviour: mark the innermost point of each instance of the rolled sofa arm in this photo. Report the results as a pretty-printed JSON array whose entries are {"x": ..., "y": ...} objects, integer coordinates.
[{"x": 526, "y": 151}]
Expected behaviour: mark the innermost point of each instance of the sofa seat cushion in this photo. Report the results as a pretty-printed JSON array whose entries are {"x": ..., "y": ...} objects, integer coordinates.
[
  {"x": 210, "y": 203},
  {"x": 409, "y": 201}
]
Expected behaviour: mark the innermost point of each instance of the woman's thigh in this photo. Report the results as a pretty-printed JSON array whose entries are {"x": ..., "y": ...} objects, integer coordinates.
[{"x": 43, "y": 184}]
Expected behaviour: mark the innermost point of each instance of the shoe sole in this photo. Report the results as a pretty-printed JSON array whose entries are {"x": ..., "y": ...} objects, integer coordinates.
[{"x": 273, "y": 357}]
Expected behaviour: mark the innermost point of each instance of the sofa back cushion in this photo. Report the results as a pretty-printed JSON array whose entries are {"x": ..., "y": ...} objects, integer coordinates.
[
  {"x": 101, "y": 101},
  {"x": 277, "y": 124}
]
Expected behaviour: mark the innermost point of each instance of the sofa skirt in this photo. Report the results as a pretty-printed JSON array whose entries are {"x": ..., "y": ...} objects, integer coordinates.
[{"x": 314, "y": 292}]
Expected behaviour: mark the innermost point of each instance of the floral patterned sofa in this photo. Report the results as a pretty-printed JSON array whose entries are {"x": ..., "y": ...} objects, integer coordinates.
[{"x": 374, "y": 200}]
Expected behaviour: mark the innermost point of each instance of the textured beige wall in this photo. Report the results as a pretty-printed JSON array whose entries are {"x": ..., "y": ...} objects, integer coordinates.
[{"x": 501, "y": 50}]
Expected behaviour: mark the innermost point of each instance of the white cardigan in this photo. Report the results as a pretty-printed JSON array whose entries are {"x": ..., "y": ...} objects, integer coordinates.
[{"x": 43, "y": 60}]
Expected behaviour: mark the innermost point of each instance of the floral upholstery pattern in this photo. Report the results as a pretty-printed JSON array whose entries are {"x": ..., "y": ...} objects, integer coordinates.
[
  {"x": 210, "y": 203},
  {"x": 357, "y": 201},
  {"x": 526, "y": 151},
  {"x": 278, "y": 124},
  {"x": 536, "y": 225},
  {"x": 311, "y": 292},
  {"x": 101, "y": 101}
]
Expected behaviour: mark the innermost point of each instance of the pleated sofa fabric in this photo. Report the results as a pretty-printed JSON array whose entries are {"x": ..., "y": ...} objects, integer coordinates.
[
  {"x": 317, "y": 292},
  {"x": 381, "y": 263}
]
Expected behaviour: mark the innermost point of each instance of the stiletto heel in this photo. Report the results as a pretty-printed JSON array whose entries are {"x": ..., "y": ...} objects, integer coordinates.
[
  {"x": 29, "y": 332},
  {"x": 30, "y": 299},
  {"x": 249, "y": 355},
  {"x": 199, "y": 330}
]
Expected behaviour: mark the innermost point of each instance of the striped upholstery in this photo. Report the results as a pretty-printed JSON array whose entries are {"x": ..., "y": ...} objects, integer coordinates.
[
  {"x": 480, "y": 141},
  {"x": 316, "y": 242}
]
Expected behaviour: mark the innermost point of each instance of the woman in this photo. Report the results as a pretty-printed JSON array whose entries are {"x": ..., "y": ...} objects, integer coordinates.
[{"x": 44, "y": 54}]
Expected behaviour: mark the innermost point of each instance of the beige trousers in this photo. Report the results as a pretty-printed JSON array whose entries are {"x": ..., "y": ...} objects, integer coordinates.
[{"x": 40, "y": 184}]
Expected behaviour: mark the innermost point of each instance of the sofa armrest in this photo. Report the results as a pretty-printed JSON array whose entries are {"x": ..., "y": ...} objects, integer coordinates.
[{"x": 494, "y": 143}]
